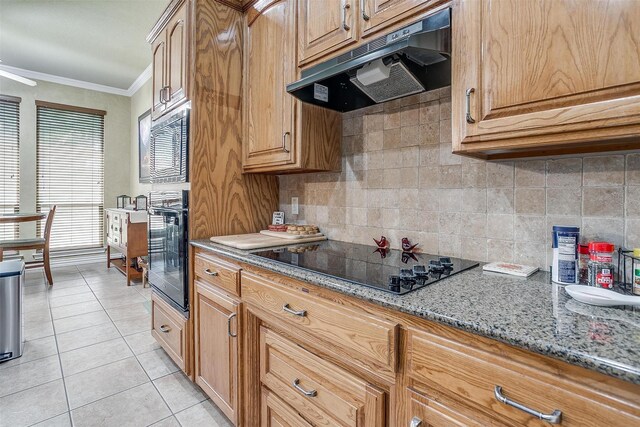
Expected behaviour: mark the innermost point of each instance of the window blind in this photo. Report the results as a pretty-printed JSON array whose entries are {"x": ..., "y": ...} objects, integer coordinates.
[
  {"x": 70, "y": 174},
  {"x": 9, "y": 162}
]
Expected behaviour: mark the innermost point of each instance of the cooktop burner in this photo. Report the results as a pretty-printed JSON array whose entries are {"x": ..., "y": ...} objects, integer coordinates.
[{"x": 387, "y": 270}]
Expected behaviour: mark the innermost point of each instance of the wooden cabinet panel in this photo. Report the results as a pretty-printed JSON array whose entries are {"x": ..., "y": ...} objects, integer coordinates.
[
  {"x": 270, "y": 65},
  {"x": 217, "y": 272},
  {"x": 158, "y": 60},
  {"x": 168, "y": 327},
  {"x": 369, "y": 340},
  {"x": 471, "y": 375},
  {"x": 177, "y": 57},
  {"x": 322, "y": 392},
  {"x": 276, "y": 413},
  {"x": 426, "y": 412},
  {"x": 325, "y": 26},
  {"x": 216, "y": 328},
  {"x": 380, "y": 14},
  {"x": 545, "y": 75}
]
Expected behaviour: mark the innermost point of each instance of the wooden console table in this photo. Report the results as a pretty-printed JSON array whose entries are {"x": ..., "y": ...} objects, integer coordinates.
[{"x": 127, "y": 233}]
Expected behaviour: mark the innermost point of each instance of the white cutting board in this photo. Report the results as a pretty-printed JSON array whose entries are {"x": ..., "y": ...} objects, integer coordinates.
[
  {"x": 289, "y": 236},
  {"x": 257, "y": 241}
]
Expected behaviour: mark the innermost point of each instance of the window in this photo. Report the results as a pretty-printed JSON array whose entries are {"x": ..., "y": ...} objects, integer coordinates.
[
  {"x": 70, "y": 174},
  {"x": 9, "y": 162}
]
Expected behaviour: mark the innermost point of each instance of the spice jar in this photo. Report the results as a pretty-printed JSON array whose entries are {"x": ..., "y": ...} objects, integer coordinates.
[
  {"x": 601, "y": 264},
  {"x": 583, "y": 264}
]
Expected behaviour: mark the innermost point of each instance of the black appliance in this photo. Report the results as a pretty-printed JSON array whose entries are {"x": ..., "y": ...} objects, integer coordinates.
[
  {"x": 169, "y": 146},
  {"x": 392, "y": 271},
  {"x": 168, "y": 247}
]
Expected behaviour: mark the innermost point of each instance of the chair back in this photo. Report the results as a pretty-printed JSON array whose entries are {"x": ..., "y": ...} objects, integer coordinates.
[{"x": 48, "y": 224}]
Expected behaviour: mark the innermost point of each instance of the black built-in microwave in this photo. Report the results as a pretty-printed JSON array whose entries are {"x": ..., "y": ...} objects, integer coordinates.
[{"x": 169, "y": 146}]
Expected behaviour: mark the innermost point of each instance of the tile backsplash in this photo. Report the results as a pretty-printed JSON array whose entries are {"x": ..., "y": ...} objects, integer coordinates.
[{"x": 400, "y": 179}]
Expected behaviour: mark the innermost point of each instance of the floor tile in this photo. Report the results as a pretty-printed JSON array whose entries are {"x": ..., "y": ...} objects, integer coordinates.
[
  {"x": 97, "y": 383},
  {"x": 134, "y": 324},
  {"x": 33, "y": 405},
  {"x": 121, "y": 300},
  {"x": 34, "y": 289},
  {"x": 34, "y": 350},
  {"x": 157, "y": 363},
  {"x": 203, "y": 414},
  {"x": 145, "y": 292},
  {"x": 71, "y": 299},
  {"x": 104, "y": 292},
  {"x": 81, "y": 321},
  {"x": 35, "y": 330},
  {"x": 75, "y": 309},
  {"x": 36, "y": 316},
  {"x": 78, "y": 287},
  {"x": 139, "y": 406},
  {"x": 129, "y": 310},
  {"x": 178, "y": 391},
  {"x": 142, "y": 342},
  {"x": 65, "y": 277},
  {"x": 63, "y": 420},
  {"x": 92, "y": 356},
  {"x": 30, "y": 374},
  {"x": 86, "y": 336},
  {"x": 167, "y": 422},
  {"x": 67, "y": 284}
]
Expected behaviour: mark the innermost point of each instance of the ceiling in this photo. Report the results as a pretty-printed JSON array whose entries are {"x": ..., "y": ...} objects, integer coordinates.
[{"x": 96, "y": 41}]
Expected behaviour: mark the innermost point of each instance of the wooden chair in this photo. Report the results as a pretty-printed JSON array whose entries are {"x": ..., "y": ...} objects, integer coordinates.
[{"x": 34, "y": 243}]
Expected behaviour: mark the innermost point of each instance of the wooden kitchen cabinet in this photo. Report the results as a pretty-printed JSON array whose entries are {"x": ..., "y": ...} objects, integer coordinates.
[
  {"x": 169, "y": 60},
  {"x": 216, "y": 327},
  {"x": 280, "y": 133},
  {"x": 169, "y": 328},
  {"x": 545, "y": 77},
  {"x": 276, "y": 413},
  {"x": 380, "y": 14},
  {"x": 127, "y": 234}
]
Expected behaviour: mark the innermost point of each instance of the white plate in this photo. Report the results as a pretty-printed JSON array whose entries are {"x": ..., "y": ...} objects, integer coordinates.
[{"x": 600, "y": 296}]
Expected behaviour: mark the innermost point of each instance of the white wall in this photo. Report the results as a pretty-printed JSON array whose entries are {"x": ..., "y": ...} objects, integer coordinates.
[
  {"x": 116, "y": 133},
  {"x": 140, "y": 102}
]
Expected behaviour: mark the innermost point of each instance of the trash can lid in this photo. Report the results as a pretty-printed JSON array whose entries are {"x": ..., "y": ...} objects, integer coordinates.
[{"x": 11, "y": 268}]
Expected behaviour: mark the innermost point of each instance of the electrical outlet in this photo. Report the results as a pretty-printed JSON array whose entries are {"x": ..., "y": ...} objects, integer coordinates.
[{"x": 294, "y": 206}]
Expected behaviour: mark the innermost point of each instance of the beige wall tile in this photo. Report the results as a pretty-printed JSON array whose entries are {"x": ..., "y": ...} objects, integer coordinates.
[
  {"x": 564, "y": 172},
  {"x": 430, "y": 112},
  {"x": 474, "y": 248},
  {"x": 449, "y": 222},
  {"x": 474, "y": 200},
  {"x": 450, "y": 200},
  {"x": 410, "y": 135},
  {"x": 633, "y": 169},
  {"x": 499, "y": 250},
  {"x": 500, "y": 226},
  {"x": 529, "y": 228},
  {"x": 604, "y": 229},
  {"x": 530, "y": 173},
  {"x": 603, "y": 202},
  {"x": 450, "y": 176},
  {"x": 530, "y": 201},
  {"x": 410, "y": 116},
  {"x": 528, "y": 253},
  {"x": 500, "y": 200},
  {"x": 564, "y": 201},
  {"x": 602, "y": 171},
  {"x": 474, "y": 175},
  {"x": 373, "y": 141},
  {"x": 500, "y": 174},
  {"x": 632, "y": 235},
  {"x": 447, "y": 157},
  {"x": 473, "y": 224},
  {"x": 633, "y": 201},
  {"x": 449, "y": 245}
]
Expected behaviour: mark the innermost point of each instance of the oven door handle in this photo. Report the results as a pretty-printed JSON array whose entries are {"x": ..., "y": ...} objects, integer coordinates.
[{"x": 161, "y": 211}]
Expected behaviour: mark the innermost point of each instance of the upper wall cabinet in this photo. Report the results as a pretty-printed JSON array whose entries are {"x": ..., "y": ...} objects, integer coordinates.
[
  {"x": 169, "y": 53},
  {"x": 545, "y": 77},
  {"x": 380, "y": 14},
  {"x": 281, "y": 135}
]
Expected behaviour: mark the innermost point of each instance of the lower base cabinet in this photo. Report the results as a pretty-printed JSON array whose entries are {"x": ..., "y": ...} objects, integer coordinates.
[
  {"x": 169, "y": 328},
  {"x": 216, "y": 328},
  {"x": 276, "y": 413}
]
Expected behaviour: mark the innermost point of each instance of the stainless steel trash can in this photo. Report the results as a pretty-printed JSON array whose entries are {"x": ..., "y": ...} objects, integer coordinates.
[{"x": 11, "y": 282}]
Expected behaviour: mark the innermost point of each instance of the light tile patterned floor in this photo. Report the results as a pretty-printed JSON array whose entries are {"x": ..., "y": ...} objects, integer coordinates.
[{"x": 90, "y": 360}]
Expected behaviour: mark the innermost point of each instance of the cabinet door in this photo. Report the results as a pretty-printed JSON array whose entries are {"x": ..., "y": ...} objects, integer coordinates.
[
  {"x": 177, "y": 57},
  {"x": 379, "y": 14},
  {"x": 544, "y": 75},
  {"x": 216, "y": 347},
  {"x": 325, "y": 26},
  {"x": 276, "y": 413},
  {"x": 270, "y": 65},
  {"x": 422, "y": 411},
  {"x": 158, "y": 55}
]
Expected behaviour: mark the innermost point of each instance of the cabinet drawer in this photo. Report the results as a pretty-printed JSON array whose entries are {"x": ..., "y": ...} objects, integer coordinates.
[
  {"x": 471, "y": 376},
  {"x": 424, "y": 411},
  {"x": 354, "y": 333},
  {"x": 217, "y": 272},
  {"x": 276, "y": 413},
  {"x": 168, "y": 328},
  {"x": 322, "y": 392}
]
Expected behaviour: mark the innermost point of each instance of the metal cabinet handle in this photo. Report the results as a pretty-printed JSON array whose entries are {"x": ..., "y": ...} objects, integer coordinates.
[
  {"x": 310, "y": 393},
  {"x": 344, "y": 16},
  {"x": 468, "y": 95},
  {"x": 284, "y": 142},
  {"x": 167, "y": 96},
  {"x": 161, "y": 94},
  {"x": 287, "y": 308},
  {"x": 232, "y": 335},
  {"x": 210, "y": 273},
  {"x": 165, "y": 328},
  {"x": 364, "y": 12},
  {"x": 554, "y": 418},
  {"x": 415, "y": 422}
]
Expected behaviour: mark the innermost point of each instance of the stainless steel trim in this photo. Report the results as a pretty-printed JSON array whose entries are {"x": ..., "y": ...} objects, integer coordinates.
[
  {"x": 468, "y": 95},
  {"x": 168, "y": 89},
  {"x": 287, "y": 308},
  {"x": 210, "y": 273},
  {"x": 284, "y": 141},
  {"x": 415, "y": 422},
  {"x": 160, "y": 93},
  {"x": 232, "y": 335},
  {"x": 165, "y": 328},
  {"x": 310, "y": 393},
  {"x": 554, "y": 418},
  {"x": 344, "y": 16},
  {"x": 364, "y": 12}
]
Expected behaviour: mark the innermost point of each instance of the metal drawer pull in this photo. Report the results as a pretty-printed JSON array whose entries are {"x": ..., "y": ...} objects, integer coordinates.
[
  {"x": 287, "y": 308},
  {"x": 165, "y": 329},
  {"x": 468, "y": 95},
  {"x": 364, "y": 12},
  {"x": 554, "y": 418},
  {"x": 310, "y": 393},
  {"x": 284, "y": 142},
  {"x": 167, "y": 93},
  {"x": 415, "y": 422},
  {"x": 231, "y": 334},
  {"x": 210, "y": 273},
  {"x": 161, "y": 93},
  {"x": 344, "y": 16}
]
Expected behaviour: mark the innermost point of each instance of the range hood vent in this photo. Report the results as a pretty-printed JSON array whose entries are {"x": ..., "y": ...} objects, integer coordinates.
[{"x": 411, "y": 60}]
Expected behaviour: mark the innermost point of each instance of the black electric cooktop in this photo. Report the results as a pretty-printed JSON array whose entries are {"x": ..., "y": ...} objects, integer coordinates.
[{"x": 387, "y": 270}]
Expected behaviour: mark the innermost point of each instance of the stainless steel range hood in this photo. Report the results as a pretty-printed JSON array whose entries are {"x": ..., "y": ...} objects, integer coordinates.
[{"x": 413, "y": 59}]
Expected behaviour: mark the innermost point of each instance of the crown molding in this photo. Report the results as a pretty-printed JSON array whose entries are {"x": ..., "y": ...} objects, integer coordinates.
[{"x": 36, "y": 75}]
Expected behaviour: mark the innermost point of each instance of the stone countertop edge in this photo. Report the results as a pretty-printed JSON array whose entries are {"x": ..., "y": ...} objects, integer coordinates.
[{"x": 615, "y": 363}]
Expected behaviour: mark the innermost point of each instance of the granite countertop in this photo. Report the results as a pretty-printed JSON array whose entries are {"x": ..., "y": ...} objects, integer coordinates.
[{"x": 532, "y": 313}]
